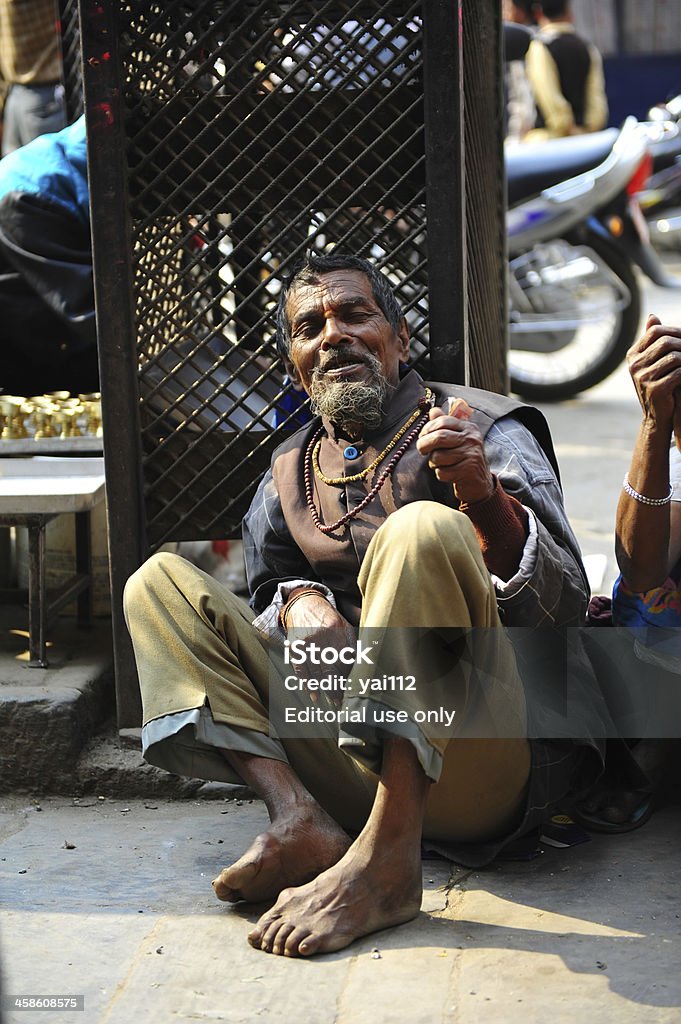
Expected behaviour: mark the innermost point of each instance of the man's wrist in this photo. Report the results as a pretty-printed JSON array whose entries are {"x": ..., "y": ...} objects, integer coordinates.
[
  {"x": 501, "y": 526},
  {"x": 296, "y": 595},
  {"x": 477, "y": 500}
]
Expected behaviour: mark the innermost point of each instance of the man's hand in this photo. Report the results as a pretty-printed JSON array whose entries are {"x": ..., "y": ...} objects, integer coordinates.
[
  {"x": 313, "y": 612},
  {"x": 655, "y": 368},
  {"x": 454, "y": 449},
  {"x": 313, "y": 617}
]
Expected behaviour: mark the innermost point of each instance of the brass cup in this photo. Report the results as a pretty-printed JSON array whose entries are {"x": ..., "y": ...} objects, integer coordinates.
[
  {"x": 71, "y": 409},
  {"x": 92, "y": 405},
  {"x": 14, "y": 410},
  {"x": 45, "y": 418}
]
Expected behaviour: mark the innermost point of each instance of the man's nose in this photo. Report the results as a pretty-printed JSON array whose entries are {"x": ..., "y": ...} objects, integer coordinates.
[{"x": 334, "y": 333}]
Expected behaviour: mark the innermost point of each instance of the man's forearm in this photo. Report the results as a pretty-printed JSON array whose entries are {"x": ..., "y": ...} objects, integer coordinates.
[{"x": 642, "y": 530}]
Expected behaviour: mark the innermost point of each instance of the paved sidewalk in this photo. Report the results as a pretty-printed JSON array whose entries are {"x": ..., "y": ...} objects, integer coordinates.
[{"x": 126, "y": 917}]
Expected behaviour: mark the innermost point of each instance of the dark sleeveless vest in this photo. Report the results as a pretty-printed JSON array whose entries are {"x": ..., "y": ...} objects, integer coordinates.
[{"x": 573, "y": 60}]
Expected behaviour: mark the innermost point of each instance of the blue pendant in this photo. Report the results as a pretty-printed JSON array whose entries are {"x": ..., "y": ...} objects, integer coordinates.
[{"x": 351, "y": 452}]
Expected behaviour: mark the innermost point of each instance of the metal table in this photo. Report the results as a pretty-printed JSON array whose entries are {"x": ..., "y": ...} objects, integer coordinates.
[{"x": 33, "y": 492}]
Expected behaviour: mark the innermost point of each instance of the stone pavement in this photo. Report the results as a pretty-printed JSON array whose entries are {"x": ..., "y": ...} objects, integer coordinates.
[{"x": 111, "y": 899}]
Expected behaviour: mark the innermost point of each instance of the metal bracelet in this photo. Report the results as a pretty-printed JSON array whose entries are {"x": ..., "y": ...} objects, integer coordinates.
[
  {"x": 303, "y": 592},
  {"x": 642, "y": 497}
]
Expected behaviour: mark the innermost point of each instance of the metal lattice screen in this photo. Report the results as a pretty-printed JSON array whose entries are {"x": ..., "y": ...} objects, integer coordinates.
[
  {"x": 71, "y": 58},
  {"x": 255, "y": 134},
  {"x": 225, "y": 139}
]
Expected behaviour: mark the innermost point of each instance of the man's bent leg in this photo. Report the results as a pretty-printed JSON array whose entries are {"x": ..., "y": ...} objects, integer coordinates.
[
  {"x": 194, "y": 644},
  {"x": 424, "y": 571}
]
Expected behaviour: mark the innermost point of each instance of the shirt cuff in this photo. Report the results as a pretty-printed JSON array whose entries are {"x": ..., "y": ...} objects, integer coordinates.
[
  {"x": 528, "y": 562},
  {"x": 267, "y": 622}
]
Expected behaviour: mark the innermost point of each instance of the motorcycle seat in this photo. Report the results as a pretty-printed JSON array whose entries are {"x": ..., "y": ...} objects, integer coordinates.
[{"x": 534, "y": 166}]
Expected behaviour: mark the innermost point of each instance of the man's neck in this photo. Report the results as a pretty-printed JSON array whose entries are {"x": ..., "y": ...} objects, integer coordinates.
[{"x": 353, "y": 430}]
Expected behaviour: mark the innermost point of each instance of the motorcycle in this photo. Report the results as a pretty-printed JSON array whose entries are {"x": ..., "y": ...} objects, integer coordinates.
[
  {"x": 575, "y": 233},
  {"x": 660, "y": 199}
]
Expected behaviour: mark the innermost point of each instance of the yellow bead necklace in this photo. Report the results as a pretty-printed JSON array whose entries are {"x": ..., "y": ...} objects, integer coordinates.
[{"x": 379, "y": 458}]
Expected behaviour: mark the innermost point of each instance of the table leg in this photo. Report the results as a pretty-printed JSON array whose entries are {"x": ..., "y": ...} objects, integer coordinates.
[
  {"x": 37, "y": 597},
  {"x": 84, "y": 567}
]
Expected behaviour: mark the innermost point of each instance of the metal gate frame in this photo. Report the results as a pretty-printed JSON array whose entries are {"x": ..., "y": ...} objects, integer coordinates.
[{"x": 465, "y": 243}]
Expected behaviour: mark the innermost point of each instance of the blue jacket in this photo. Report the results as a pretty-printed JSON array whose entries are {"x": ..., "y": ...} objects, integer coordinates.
[{"x": 52, "y": 166}]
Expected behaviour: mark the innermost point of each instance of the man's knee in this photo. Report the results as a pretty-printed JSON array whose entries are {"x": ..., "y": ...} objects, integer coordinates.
[
  {"x": 424, "y": 523},
  {"x": 152, "y": 578}
]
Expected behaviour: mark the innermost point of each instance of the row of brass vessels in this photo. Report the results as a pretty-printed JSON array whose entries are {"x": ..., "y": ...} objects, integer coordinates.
[{"x": 57, "y": 414}]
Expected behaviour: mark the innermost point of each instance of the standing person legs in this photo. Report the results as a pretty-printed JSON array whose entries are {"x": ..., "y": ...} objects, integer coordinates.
[{"x": 30, "y": 111}]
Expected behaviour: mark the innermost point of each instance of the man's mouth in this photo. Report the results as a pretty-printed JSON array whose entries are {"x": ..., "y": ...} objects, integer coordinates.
[{"x": 342, "y": 367}]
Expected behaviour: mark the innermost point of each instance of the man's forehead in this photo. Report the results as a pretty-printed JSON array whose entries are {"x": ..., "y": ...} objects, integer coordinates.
[{"x": 336, "y": 287}]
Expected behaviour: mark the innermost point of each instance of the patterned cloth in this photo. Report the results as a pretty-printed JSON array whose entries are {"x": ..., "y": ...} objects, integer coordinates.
[
  {"x": 29, "y": 42},
  {"x": 660, "y": 606}
]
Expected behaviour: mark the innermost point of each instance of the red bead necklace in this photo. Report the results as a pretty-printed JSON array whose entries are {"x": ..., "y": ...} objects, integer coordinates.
[{"x": 424, "y": 404}]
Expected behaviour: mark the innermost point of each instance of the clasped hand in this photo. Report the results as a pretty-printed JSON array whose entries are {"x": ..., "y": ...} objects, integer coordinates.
[
  {"x": 655, "y": 367},
  {"x": 315, "y": 620},
  {"x": 455, "y": 451}
]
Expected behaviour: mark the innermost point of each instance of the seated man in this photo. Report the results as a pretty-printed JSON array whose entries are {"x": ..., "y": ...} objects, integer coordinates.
[{"x": 392, "y": 514}]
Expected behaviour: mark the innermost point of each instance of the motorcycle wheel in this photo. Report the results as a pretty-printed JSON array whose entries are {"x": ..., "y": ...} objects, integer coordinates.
[{"x": 595, "y": 351}]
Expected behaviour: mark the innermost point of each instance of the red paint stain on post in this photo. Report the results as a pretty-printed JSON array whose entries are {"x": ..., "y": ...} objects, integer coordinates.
[{"x": 104, "y": 117}]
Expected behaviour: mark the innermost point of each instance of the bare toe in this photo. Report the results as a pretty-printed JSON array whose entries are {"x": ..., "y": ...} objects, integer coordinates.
[
  {"x": 293, "y": 942},
  {"x": 223, "y": 891},
  {"x": 279, "y": 944},
  {"x": 270, "y": 935}
]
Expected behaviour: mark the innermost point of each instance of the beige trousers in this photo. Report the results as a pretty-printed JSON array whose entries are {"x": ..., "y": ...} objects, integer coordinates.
[{"x": 194, "y": 645}]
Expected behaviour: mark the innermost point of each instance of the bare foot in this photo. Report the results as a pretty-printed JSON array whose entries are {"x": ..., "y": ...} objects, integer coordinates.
[
  {"x": 297, "y": 847},
  {"x": 368, "y": 889}
]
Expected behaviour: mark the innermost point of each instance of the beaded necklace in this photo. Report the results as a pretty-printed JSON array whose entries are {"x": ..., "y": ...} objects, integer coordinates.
[
  {"x": 422, "y": 414},
  {"x": 379, "y": 458}
]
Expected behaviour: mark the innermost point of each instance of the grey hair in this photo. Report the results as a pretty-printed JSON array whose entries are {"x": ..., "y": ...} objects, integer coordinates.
[{"x": 309, "y": 272}]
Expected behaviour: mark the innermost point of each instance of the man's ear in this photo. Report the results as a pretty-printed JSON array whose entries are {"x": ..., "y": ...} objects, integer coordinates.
[
  {"x": 292, "y": 374},
  {"x": 403, "y": 335}
]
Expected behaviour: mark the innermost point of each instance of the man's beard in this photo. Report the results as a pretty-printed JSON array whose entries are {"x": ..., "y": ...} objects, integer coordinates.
[{"x": 350, "y": 403}]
